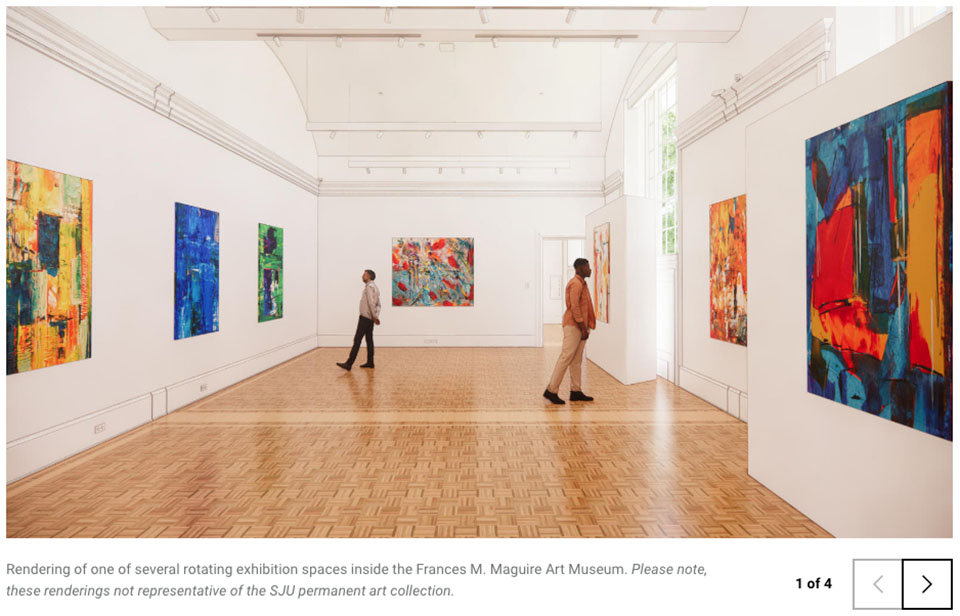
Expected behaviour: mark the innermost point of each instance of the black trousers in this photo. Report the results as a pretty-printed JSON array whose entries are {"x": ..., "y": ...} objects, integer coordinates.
[{"x": 364, "y": 330}]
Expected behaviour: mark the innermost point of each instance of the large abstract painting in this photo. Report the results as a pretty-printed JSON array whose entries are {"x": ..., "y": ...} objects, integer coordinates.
[
  {"x": 728, "y": 270},
  {"x": 270, "y": 273},
  {"x": 197, "y": 272},
  {"x": 431, "y": 271},
  {"x": 879, "y": 262},
  {"x": 601, "y": 272},
  {"x": 49, "y": 257}
]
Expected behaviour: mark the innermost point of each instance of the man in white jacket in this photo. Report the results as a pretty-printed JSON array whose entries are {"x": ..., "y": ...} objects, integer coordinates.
[{"x": 369, "y": 316}]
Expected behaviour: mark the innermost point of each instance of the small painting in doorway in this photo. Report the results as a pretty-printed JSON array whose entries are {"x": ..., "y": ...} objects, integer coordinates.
[
  {"x": 601, "y": 272},
  {"x": 879, "y": 221},
  {"x": 430, "y": 271},
  {"x": 270, "y": 273},
  {"x": 196, "y": 272},
  {"x": 49, "y": 267},
  {"x": 728, "y": 270}
]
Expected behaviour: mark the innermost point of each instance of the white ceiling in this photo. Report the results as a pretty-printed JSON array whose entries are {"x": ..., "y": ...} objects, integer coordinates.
[{"x": 368, "y": 94}]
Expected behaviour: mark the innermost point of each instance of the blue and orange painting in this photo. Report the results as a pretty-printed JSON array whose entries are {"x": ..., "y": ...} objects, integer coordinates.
[
  {"x": 197, "y": 272},
  {"x": 879, "y": 262},
  {"x": 431, "y": 271}
]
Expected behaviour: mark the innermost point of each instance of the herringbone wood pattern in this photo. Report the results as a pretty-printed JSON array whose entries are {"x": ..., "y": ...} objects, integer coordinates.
[{"x": 432, "y": 443}]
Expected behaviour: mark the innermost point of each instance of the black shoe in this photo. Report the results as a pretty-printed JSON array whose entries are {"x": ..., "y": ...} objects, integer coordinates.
[
  {"x": 579, "y": 396},
  {"x": 552, "y": 397},
  {"x": 366, "y": 365},
  {"x": 345, "y": 366}
]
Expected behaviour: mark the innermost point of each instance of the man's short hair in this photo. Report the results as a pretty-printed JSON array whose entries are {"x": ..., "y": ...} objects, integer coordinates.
[
  {"x": 580, "y": 261},
  {"x": 373, "y": 274}
]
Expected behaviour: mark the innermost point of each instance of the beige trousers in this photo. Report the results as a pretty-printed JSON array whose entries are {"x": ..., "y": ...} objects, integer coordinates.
[{"x": 571, "y": 356}]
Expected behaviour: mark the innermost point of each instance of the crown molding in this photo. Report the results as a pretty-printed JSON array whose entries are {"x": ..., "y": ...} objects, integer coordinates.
[
  {"x": 44, "y": 33},
  {"x": 458, "y": 189},
  {"x": 808, "y": 52},
  {"x": 613, "y": 182}
]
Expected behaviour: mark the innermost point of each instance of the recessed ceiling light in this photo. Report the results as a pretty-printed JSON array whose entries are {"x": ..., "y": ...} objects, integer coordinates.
[
  {"x": 484, "y": 17},
  {"x": 300, "y": 14},
  {"x": 212, "y": 14},
  {"x": 570, "y": 15},
  {"x": 387, "y": 16}
]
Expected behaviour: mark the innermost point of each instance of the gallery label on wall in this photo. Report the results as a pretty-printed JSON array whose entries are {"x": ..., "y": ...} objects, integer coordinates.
[
  {"x": 879, "y": 262},
  {"x": 197, "y": 272},
  {"x": 430, "y": 271},
  {"x": 728, "y": 270},
  {"x": 270, "y": 273},
  {"x": 601, "y": 272},
  {"x": 49, "y": 267}
]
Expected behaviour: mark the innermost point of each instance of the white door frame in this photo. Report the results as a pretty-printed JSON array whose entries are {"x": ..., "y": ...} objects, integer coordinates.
[{"x": 538, "y": 305}]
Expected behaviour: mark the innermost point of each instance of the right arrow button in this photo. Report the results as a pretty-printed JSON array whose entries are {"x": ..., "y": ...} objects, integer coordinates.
[{"x": 927, "y": 584}]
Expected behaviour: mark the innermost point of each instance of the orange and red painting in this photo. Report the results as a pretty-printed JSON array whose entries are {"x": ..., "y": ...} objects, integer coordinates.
[
  {"x": 49, "y": 256},
  {"x": 432, "y": 271},
  {"x": 728, "y": 270},
  {"x": 879, "y": 262}
]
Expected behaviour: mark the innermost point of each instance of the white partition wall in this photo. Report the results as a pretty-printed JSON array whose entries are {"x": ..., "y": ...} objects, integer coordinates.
[
  {"x": 853, "y": 473},
  {"x": 626, "y": 346}
]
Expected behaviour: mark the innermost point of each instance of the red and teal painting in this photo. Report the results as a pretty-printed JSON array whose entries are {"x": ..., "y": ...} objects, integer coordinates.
[
  {"x": 431, "y": 271},
  {"x": 197, "y": 272},
  {"x": 880, "y": 265}
]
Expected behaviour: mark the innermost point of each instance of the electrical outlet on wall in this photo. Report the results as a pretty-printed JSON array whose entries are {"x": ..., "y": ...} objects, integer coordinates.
[
  {"x": 203, "y": 387},
  {"x": 100, "y": 427},
  {"x": 429, "y": 340}
]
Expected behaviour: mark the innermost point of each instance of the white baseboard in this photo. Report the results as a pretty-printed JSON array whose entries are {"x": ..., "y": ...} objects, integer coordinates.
[
  {"x": 426, "y": 340},
  {"x": 32, "y": 453},
  {"x": 721, "y": 395}
]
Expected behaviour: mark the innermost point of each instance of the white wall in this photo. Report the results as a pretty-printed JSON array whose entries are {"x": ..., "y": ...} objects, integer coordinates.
[
  {"x": 851, "y": 472},
  {"x": 355, "y": 233},
  {"x": 241, "y": 82},
  {"x": 626, "y": 347},
  {"x": 863, "y": 31},
  {"x": 140, "y": 164},
  {"x": 711, "y": 170}
]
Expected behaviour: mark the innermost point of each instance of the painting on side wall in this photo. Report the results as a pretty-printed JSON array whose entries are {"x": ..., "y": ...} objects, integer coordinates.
[
  {"x": 270, "y": 273},
  {"x": 430, "y": 271},
  {"x": 49, "y": 267},
  {"x": 601, "y": 272},
  {"x": 197, "y": 272},
  {"x": 879, "y": 263},
  {"x": 728, "y": 270}
]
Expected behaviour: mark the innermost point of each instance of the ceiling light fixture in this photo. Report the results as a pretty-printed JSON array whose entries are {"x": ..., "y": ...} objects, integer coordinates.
[
  {"x": 368, "y": 170},
  {"x": 387, "y": 16},
  {"x": 212, "y": 14},
  {"x": 526, "y": 135},
  {"x": 576, "y": 133},
  {"x": 333, "y": 134},
  {"x": 439, "y": 170},
  {"x": 300, "y": 14},
  {"x": 427, "y": 135},
  {"x": 495, "y": 42},
  {"x": 570, "y": 15},
  {"x": 404, "y": 171},
  {"x": 501, "y": 170},
  {"x": 657, "y": 16},
  {"x": 276, "y": 41},
  {"x": 484, "y": 18},
  {"x": 556, "y": 43},
  {"x": 339, "y": 41},
  {"x": 617, "y": 41},
  {"x": 518, "y": 170},
  {"x": 463, "y": 171},
  {"x": 555, "y": 171},
  {"x": 479, "y": 134},
  {"x": 379, "y": 134},
  {"x": 400, "y": 42}
]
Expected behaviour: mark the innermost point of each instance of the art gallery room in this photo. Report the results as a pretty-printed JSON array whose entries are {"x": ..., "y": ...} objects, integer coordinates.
[{"x": 197, "y": 198}]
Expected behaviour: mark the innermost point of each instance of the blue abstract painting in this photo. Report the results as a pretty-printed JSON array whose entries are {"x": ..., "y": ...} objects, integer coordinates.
[
  {"x": 197, "y": 272},
  {"x": 879, "y": 262}
]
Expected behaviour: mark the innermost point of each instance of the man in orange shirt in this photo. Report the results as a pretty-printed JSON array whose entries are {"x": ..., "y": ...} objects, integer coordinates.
[{"x": 578, "y": 320}]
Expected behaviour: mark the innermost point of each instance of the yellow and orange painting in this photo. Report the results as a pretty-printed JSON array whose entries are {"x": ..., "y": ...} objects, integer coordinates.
[{"x": 728, "y": 270}]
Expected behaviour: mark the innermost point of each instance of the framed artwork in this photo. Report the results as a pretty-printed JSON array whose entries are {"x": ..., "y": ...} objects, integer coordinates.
[
  {"x": 270, "y": 273},
  {"x": 197, "y": 272},
  {"x": 601, "y": 272},
  {"x": 431, "y": 271},
  {"x": 879, "y": 205},
  {"x": 728, "y": 270},
  {"x": 49, "y": 271}
]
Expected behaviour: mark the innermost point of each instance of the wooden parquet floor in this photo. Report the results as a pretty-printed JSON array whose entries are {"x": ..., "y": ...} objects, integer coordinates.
[{"x": 431, "y": 443}]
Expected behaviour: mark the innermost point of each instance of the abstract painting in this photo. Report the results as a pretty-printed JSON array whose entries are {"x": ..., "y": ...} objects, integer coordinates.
[
  {"x": 270, "y": 273},
  {"x": 728, "y": 270},
  {"x": 879, "y": 205},
  {"x": 49, "y": 257},
  {"x": 197, "y": 272},
  {"x": 431, "y": 271},
  {"x": 601, "y": 272}
]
